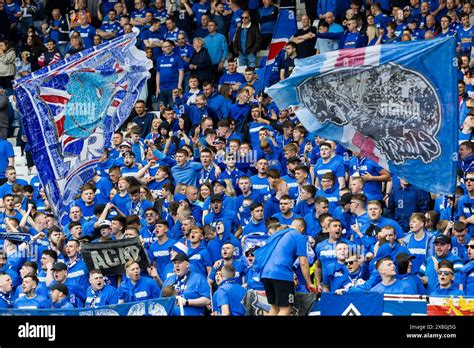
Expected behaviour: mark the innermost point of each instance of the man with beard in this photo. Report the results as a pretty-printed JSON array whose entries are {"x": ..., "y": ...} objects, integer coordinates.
[
  {"x": 256, "y": 223},
  {"x": 197, "y": 251},
  {"x": 135, "y": 287},
  {"x": 326, "y": 251},
  {"x": 214, "y": 246},
  {"x": 31, "y": 300},
  {"x": 5, "y": 290},
  {"x": 390, "y": 284},
  {"x": 58, "y": 274},
  {"x": 192, "y": 289},
  {"x": 130, "y": 166},
  {"x": 99, "y": 293},
  {"x": 467, "y": 272},
  {"x": 159, "y": 251},
  {"x": 427, "y": 272},
  {"x": 76, "y": 267},
  {"x": 366, "y": 233},
  {"x": 217, "y": 213},
  {"x": 228, "y": 258},
  {"x": 465, "y": 203},
  {"x": 59, "y": 297},
  {"x": 286, "y": 215}
]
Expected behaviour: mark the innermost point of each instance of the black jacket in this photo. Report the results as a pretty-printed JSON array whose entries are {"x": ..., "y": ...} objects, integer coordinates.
[
  {"x": 204, "y": 65},
  {"x": 252, "y": 43}
]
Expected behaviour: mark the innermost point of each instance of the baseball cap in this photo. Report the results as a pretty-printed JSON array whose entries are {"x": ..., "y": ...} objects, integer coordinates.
[
  {"x": 180, "y": 248},
  {"x": 59, "y": 266},
  {"x": 126, "y": 143},
  {"x": 179, "y": 197},
  {"x": 180, "y": 257},
  {"x": 442, "y": 239},
  {"x": 105, "y": 223},
  {"x": 404, "y": 257},
  {"x": 60, "y": 287},
  {"x": 293, "y": 160},
  {"x": 128, "y": 154},
  {"x": 407, "y": 8},
  {"x": 216, "y": 197},
  {"x": 385, "y": 250},
  {"x": 220, "y": 182},
  {"x": 345, "y": 199},
  {"x": 252, "y": 250}
]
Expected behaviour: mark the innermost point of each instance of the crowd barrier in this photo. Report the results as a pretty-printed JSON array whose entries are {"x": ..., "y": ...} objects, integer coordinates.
[{"x": 306, "y": 304}]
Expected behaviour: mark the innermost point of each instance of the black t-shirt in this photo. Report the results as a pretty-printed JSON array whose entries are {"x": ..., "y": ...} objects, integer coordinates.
[
  {"x": 288, "y": 64},
  {"x": 306, "y": 48}
]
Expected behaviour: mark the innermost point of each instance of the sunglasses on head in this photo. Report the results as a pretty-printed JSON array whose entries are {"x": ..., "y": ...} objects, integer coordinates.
[{"x": 445, "y": 273}]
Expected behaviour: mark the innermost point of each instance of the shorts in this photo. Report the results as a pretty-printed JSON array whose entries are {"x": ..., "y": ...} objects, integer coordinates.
[{"x": 280, "y": 293}]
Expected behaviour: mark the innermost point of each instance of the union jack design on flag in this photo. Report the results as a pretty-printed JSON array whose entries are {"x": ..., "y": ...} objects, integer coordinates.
[
  {"x": 386, "y": 103},
  {"x": 71, "y": 109},
  {"x": 285, "y": 28}
]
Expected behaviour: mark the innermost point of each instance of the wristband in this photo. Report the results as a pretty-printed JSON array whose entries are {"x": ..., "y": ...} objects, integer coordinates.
[{"x": 187, "y": 302}]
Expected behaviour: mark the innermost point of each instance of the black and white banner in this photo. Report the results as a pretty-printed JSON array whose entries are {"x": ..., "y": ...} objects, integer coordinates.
[{"x": 111, "y": 257}]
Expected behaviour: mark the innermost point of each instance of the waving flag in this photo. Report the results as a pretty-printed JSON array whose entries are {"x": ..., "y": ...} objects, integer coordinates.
[
  {"x": 395, "y": 104},
  {"x": 285, "y": 28},
  {"x": 71, "y": 109}
]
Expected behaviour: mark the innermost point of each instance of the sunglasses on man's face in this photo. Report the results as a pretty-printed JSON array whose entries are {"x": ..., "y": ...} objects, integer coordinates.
[
  {"x": 471, "y": 246},
  {"x": 469, "y": 179},
  {"x": 445, "y": 273},
  {"x": 349, "y": 263}
]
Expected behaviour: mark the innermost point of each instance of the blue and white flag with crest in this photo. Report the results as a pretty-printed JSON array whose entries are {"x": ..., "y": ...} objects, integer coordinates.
[
  {"x": 71, "y": 109},
  {"x": 396, "y": 104}
]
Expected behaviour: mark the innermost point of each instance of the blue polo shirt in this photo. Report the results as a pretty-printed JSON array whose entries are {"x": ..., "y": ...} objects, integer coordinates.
[
  {"x": 107, "y": 296},
  {"x": 160, "y": 255},
  {"x": 37, "y": 302},
  {"x": 87, "y": 35},
  {"x": 232, "y": 294},
  {"x": 192, "y": 286},
  {"x": 78, "y": 273},
  {"x": 399, "y": 287},
  {"x": 144, "y": 289},
  {"x": 169, "y": 67}
]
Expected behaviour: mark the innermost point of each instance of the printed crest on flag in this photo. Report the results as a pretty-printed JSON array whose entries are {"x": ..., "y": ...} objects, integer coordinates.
[{"x": 71, "y": 109}]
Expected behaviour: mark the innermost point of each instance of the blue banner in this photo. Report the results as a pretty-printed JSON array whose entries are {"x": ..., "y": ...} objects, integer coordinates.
[
  {"x": 396, "y": 104},
  {"x": 351, "y": 304},
  {"x": 156, "y": 307},
  {"x": 404, "y": 305},
  {"x": 70, "y": 110}
]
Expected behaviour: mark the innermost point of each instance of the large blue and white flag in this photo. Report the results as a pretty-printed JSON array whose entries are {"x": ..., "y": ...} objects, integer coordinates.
[
  {"x": 351, "y": 304},
  {"x": 71, "y": 109},
  {"x": 395, "y": 104}
]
